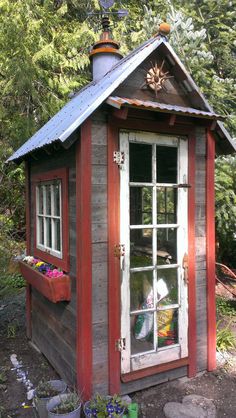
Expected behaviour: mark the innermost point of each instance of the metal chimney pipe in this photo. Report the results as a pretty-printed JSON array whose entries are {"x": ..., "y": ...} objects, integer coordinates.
[{"x": 105, "y": 53}]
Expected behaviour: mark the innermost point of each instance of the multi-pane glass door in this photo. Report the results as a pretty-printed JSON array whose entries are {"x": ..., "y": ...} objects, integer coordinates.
[{"x": 154, "y": 234}]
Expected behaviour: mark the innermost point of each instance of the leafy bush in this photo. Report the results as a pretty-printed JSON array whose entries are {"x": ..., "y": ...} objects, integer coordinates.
[
  {"x": 11, "y": 284},
  {"x": 225, "y": 307}
]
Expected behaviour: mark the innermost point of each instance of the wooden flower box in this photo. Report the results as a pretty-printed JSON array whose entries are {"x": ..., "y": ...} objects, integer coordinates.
[{"x": 54, "y": 289}]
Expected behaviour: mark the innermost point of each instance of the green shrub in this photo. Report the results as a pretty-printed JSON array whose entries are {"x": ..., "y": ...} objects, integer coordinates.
[
  {"x": 11, "y": 284},
  {"x": 225, "y": 307}
]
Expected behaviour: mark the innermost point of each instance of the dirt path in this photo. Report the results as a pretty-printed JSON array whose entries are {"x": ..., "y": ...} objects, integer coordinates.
[{"x": 220, "y": 386}]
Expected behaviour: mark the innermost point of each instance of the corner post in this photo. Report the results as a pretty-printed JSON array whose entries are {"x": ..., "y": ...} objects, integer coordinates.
[
  {"x": 28, "y": 295},
  {"x": 210, "y": 251},
  {"x": 84, "y": 263},
  {"x": 192, "y": 336}
]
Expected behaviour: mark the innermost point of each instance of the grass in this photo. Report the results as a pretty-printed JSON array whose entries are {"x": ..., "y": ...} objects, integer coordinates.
[
  {"x": 225, "y": 339},
  {"x": 226, "y": 312}
]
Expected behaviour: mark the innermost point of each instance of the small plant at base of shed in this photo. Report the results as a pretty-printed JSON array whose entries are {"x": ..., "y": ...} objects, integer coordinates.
[
  {"x": 225, "y": 339},
  {"x": 105, "y": 407},
  {"x": 68, "y": 404},
  {"x": 46, "y": 390}
]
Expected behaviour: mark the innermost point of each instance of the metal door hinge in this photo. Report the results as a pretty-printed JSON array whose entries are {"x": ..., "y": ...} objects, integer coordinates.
[
  {"x": 119, "y": 157},
  {"x": 120, "y": 344},
  {"x": 119, "y": 250},
  {"x": 185, "y": 268}
]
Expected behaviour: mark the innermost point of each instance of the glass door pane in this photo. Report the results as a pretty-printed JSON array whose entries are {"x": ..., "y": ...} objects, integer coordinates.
[{"x": 152, "y": 231}]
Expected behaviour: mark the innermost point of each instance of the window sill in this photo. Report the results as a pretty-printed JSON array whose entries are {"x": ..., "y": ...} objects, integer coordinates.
[{"x": 54, "y": 289}]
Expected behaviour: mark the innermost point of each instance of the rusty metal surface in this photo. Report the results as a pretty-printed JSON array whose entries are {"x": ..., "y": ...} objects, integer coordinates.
[{"x": 120, "y": 101}]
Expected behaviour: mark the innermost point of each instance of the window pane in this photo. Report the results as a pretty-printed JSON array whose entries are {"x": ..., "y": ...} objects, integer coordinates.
[
  {"x": 140, "y": 163},
  {"x": 167, "y": 286},
  {"x": 166, "y": 164},
  {"x": 40, "y": 199},
  {"x": 141, "y": 290},
  {"x": 166, "y": 205},
  {"x": 41, "y": 230},
  {"x": 167, "y": 246},
  {"x": 141, "y": 248},
  {"x": 48, "y": 232},
  {"x": 142, "y": 332},
  {"x": 57, "y": 231},
  {"x": 48, "y": 199},
  {"x": 56, "y": 191},
  {"x": 167, "y": 326},
  {"x": 140, "y": 205}
]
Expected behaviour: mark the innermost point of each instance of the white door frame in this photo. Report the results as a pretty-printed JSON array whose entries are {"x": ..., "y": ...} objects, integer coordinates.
[{"x": 177, "y": 351}]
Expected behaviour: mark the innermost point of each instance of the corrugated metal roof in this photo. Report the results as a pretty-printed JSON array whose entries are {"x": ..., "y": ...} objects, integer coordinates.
[
  {"x": 82, "y": 105},
  {"x": 119, "y": 101}
]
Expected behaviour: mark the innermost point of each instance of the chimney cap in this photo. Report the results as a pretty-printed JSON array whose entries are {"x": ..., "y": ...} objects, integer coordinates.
[{"x": 164, "y": 29}]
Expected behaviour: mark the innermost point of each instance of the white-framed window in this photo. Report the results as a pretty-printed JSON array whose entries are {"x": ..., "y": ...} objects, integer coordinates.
[{"x": 49, "y": 217}]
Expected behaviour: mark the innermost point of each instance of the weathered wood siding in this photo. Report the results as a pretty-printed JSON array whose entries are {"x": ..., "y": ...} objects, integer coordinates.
[
  {"x": 135, "y": 85},
  {"x": 200, "y": 214},
  {"x": 54, "y": 325},
  {"x": 99, "y": 253}
]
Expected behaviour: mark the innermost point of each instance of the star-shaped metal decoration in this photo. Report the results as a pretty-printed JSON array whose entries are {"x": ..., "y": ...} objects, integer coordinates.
[
  {"x": 156, "y": 77},
  {"x": 106, "y": 4}
]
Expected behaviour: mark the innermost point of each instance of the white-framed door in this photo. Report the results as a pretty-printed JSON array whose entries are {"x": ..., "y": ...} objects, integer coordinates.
[{"x": 154, "y": 232}]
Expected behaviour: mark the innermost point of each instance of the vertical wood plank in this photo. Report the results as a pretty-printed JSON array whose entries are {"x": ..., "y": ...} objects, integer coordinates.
[
  {"x": 84, "y": 262},
  {"x": 113, "y": 262},
  {"x": 210, "y": 250},
  {"x": 192, "y": 334},
  {"x": 28, "y": 246}
]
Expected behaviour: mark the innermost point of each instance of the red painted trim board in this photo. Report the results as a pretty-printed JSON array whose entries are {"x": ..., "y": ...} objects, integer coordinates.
[
  {"x": 28, "y": 295},
  {"x": 113, "y": 262},
  {"x": 84, "y": 263},
  {"x": 192, "y": 333},
  {"x": 150, "y": 371},
  {"x": 63, "y": 175},
  {"x": 210, "y": 250}
]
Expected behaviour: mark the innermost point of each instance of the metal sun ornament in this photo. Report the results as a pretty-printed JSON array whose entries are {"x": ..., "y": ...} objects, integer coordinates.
[{"x": 156, "y": 77}]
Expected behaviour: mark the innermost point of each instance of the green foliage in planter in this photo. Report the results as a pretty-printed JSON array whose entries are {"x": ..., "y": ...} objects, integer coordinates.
[
  {"x": 225, "y": 339},
  {"x": 45, "y": 390},
  {"x": 67, "y": 405}
]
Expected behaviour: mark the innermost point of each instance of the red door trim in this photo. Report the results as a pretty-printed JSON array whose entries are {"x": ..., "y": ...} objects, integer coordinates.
[
  {"x": 150, "y": 371},
  {"x": 84, "y": 263},
  {"x": 192, "y": 333},
  {"x": 28, "y": 296},
  {"x": 210, "y": 251},
  {"x": 113, "y": 262},
  {"x": 114, "y": 237}
]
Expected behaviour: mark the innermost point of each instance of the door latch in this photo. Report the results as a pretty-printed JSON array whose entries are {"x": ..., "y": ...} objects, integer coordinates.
[{"x": 185, "y": 268}]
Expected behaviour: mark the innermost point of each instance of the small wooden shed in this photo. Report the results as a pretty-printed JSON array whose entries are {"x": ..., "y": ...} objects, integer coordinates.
[{"x": 120, "y": 196}]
